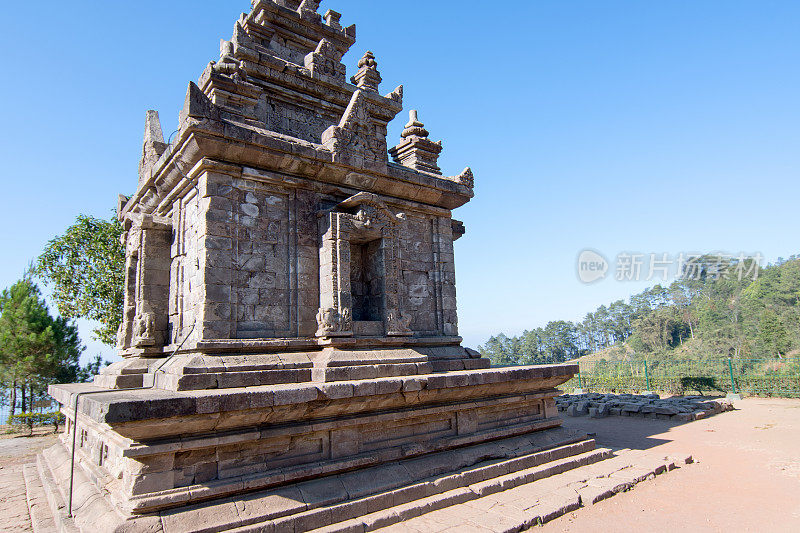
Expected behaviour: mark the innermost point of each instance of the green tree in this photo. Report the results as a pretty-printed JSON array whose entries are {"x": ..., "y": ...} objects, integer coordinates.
[
  {"x": 35, "y": 348},
  {"x": 86, "y": 268},
  {"x": 773, "y": 338}
]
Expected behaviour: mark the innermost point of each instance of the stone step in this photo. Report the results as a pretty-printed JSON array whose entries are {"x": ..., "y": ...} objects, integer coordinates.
[
  {"x": 423, "y": 482},
  {"x": 523, "y": 506},
  {"x": 56, "y": 504},
  {"x": 38, "y": 507},
  {"x": 460, "y": 495},
  {"x": 319, "y": 502},
  {"x": 96, "y": 514},
  {"x": 332, "y": 499}
]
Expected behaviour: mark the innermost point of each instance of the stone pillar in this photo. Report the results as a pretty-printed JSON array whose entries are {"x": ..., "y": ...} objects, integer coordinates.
[
  {"x": 335, "y": 315},
  {"x": 151, "y": 325},
  {"x": 145, "y": 323}
]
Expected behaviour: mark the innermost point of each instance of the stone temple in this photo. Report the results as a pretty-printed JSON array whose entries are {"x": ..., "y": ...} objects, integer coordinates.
[{"x": 290, "y": 337}]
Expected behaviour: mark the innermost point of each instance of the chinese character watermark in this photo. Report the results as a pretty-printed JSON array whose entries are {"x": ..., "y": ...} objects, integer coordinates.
[{"x": 592, "y": 266}]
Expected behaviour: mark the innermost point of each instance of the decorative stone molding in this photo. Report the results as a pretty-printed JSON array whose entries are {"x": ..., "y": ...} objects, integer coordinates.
[
  {"x": 365, "y": 224},
  {"x": 355, "y": 141},
  {"x": 325, "y": 61},
  {"x": 458, "y": 229}
]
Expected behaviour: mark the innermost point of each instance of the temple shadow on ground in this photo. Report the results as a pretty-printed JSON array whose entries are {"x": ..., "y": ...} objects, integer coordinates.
[{"x": 625, "y": 432}]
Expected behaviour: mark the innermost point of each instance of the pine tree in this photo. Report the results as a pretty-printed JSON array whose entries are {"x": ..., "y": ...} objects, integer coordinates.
[{"x": 35, "y": 348}]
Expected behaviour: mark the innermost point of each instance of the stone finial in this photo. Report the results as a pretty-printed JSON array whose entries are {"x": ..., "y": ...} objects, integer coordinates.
[
  {"x": 308, "y": 10},
  {"x": 416, "y": 150},
  {"x": 466, "y": 178},
  {"x": 396, "y": 95},
  {"x": 367, "y": 78},
  {"x": 414, "y": 126},
  {"x": 153, "y": 144},
  {"x": 332, "y": 19}
]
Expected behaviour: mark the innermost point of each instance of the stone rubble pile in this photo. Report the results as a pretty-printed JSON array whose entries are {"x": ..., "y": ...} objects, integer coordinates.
[{"x": 680, "y": 408}]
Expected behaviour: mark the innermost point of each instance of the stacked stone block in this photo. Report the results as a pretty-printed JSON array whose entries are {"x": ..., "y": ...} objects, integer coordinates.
[{"x": 678, "y": 408}]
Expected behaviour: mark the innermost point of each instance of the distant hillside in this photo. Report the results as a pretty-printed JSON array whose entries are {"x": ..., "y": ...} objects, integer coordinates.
[{"x": 723, "y": 308}]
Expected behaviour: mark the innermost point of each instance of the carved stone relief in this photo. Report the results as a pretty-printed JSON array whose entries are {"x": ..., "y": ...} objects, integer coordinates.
[{"x": 364, "y": 287}]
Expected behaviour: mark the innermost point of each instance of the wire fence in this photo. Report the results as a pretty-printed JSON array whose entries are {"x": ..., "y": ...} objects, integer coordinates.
[{"x": 751, "y": 377}]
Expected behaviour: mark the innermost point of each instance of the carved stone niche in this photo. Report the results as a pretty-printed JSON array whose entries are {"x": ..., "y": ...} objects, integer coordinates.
[
  {"x": 144, "y": 327},
  {"x": 359, "y": 269}
]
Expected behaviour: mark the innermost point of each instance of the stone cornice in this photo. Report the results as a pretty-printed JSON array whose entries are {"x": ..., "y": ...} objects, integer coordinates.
[{"x": 264, "y": 150}]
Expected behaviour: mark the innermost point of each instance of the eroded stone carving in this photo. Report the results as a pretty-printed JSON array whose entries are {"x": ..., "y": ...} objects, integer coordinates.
[
  {"x": 228, "y": 64},
  {"x": 334, "y": 322},
  {"x": 325, "y": 60},
  {"x": 353, "y": 141},
  {"x": 466, "y": 178},
  {"x": 308, "y": 10},
  {"x": 397, "y": 324},
  {"x": 143, "y": 330}
]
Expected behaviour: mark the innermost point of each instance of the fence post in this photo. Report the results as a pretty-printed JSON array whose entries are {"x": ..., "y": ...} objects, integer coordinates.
[
  {"x": 646, "y": 376},
  {"x": 733, "y": 395}
]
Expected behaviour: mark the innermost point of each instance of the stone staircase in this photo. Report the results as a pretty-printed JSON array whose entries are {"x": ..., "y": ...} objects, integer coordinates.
[
  {"x": 505, "y": 485},
  {"x": 543, "y": 470},
  {"x": 423, "y": 483},
  {"x": 522, "y": 506}
]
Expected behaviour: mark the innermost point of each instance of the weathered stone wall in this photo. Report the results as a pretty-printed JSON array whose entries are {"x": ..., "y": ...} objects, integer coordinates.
[
  {"x": 185, "y": 298},
  {"x": 428, "y": 274},
  {"x": 259, "y": 247}
]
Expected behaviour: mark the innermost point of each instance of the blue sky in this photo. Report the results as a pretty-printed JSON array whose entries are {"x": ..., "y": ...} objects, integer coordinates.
[{"x": 653, "y": 127}]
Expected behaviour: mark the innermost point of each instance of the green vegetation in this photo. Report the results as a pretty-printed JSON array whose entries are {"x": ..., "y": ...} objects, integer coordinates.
[
  {"x": 29, "y": 420},
  {"x": 688, "y": 329},
  {"x": 86, "y": 269},
  {"x": 36, "y": 349}
]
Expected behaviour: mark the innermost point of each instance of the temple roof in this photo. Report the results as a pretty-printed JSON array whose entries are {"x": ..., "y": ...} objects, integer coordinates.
[{"x": 280, "y": 82}]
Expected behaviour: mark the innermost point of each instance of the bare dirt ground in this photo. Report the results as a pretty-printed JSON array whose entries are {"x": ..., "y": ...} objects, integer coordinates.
[
  {"x": 15, "y": 452},
  {"x": 747, "y": 475}
]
